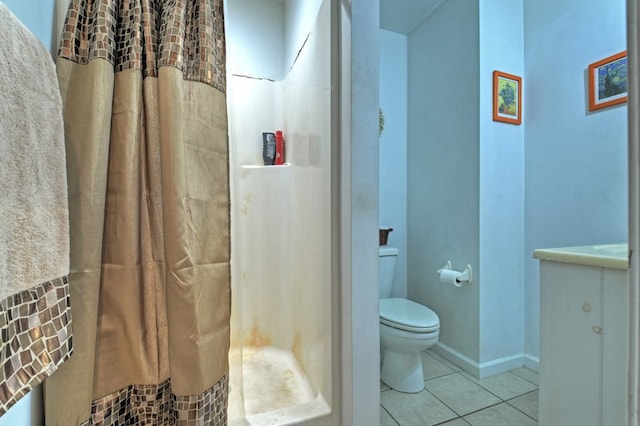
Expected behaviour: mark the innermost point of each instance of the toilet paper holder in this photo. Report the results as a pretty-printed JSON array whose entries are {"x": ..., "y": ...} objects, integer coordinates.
[{"x": 465, "y": 276}]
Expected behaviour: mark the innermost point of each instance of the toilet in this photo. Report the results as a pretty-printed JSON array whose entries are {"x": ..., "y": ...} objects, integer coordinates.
[{"x": 406, "y": 329}]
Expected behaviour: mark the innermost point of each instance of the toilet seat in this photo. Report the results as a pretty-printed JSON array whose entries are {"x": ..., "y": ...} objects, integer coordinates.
[{"x": 407, "y": 315}]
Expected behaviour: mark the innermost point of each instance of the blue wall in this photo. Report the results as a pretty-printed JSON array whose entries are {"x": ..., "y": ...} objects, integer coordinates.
[
  {"x": 489, "y": 193},
  {"x": 38, "y": 17},
  {"x": 393, "y": 148},
  {"x": 443, "y": 168},
  {"x": 575, "y": 161},
  {"x": 501, "y": 192}
]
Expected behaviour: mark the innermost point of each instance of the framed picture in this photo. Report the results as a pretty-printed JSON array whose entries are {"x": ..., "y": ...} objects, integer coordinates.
[
  {"x": 507, "y": 97},
  {"x": 608, "y": 81}
]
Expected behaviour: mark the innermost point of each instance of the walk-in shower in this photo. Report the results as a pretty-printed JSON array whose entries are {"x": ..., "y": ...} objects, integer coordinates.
[{"x": 281, "y": 357}]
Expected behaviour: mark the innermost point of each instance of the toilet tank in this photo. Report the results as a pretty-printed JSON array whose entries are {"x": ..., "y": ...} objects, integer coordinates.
[{"x": 386, "y": 270}]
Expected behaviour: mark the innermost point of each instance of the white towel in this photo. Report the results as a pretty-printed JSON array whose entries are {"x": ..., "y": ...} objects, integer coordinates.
[{"x": 34, "y": 220}]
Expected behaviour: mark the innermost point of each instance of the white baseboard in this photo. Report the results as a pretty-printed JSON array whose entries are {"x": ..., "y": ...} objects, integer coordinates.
[
  {"x": 462, "y": 361},
  {"x": 488, "y": 368},
  {"x": 500, "y": 365},
  {"x": 532, "y": 362}
]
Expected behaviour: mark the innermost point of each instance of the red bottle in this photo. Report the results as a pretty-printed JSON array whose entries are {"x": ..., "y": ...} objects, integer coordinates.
[{"x": 279, "y": 160}]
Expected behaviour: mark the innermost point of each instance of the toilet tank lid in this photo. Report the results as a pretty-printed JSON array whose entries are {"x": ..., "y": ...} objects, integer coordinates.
[{"x": 388, "y": 251}]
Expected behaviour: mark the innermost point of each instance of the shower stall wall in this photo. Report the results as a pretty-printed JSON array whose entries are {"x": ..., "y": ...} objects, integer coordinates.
[{"x": 281, "y": 357}]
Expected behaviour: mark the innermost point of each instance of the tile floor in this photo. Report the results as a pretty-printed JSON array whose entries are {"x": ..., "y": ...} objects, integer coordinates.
[{"x": 453, "y": 397}]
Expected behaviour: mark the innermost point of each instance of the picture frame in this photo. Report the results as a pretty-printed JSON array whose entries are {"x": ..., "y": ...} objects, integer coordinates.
[
  {"x": 507, "y": 98},
  {"x": 608, "y": 81}
]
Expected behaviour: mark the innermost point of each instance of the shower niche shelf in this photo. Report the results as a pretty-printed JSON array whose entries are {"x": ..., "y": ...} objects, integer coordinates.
[{"x": 256, "y": 166}]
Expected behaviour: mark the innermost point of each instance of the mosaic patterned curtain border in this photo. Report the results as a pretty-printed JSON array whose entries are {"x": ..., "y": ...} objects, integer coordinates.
[
  {"x": 158, "y": 405},
  {"x": 147, "y": 34},
  {"x": 35, "y": 325}
]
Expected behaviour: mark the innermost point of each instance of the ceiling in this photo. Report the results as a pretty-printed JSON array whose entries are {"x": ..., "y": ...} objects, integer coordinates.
[{"x": 402, "y": 16}]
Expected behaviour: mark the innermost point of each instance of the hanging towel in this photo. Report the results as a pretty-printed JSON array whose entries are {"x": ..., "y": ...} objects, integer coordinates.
[{"x": 35, "y": 319}]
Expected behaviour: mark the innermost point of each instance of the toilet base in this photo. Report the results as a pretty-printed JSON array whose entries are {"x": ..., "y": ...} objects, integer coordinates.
[{"x": 403, "y": 371}]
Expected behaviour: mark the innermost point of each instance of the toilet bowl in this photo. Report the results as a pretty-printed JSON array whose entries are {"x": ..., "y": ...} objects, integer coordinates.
[{"x": 406, "y": 329}]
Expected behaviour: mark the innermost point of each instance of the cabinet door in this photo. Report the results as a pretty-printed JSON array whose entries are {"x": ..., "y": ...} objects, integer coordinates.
[
  {"x": 570, "y": 344},
  {"x": 615, "y": 334}
]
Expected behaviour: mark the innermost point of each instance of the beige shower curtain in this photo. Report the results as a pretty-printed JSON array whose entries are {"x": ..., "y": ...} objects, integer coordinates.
[{"x": 143, "y": 88}]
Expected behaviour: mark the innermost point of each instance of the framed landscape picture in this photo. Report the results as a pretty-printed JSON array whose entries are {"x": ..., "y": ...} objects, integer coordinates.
[
  {"x": 608, "y": 81},
  {"x": 507, "y": 98}
]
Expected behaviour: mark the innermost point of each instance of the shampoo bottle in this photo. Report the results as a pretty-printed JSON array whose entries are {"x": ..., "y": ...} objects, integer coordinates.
[
  {"x": 279, "y": 160},
  {"x": 268, "y": 148}
]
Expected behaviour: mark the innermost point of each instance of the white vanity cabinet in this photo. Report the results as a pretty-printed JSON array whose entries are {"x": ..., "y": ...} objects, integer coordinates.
[{"x": 583, "y": 335}]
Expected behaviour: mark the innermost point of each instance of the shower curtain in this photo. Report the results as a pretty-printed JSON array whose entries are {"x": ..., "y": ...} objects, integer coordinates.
[{"x": 143, "y": 89}]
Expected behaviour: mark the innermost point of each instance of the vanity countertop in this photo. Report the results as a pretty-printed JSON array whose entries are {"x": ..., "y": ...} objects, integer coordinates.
[{"x": 613, "y": 256}]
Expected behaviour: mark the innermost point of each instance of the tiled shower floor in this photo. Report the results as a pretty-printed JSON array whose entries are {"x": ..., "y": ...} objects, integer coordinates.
[{"x": 453, "y": 397}]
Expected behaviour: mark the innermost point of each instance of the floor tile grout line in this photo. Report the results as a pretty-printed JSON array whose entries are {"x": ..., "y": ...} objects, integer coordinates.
[
  {"x": 430, "y": 393},
  {"x": 517, "y": 409},
  {"x": 501, "y": 401},
  {"x": 483, "y": 388},
  {"x": 441, "y": 401},
  {"x": 442, "y": 360},
  {"x": 447, "y": 421},
  {"x": 526, "y": 414},
  {"x": 442, "y": 375},
  {"x": 390, "y": 415},
  {"x": 523, "y": 378},
  {"x": 460, "y": 416},
  {"x": 498, "y": 396},
  {"x": 481, "y": 409},
  {"x": 519, "y": 396}
]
